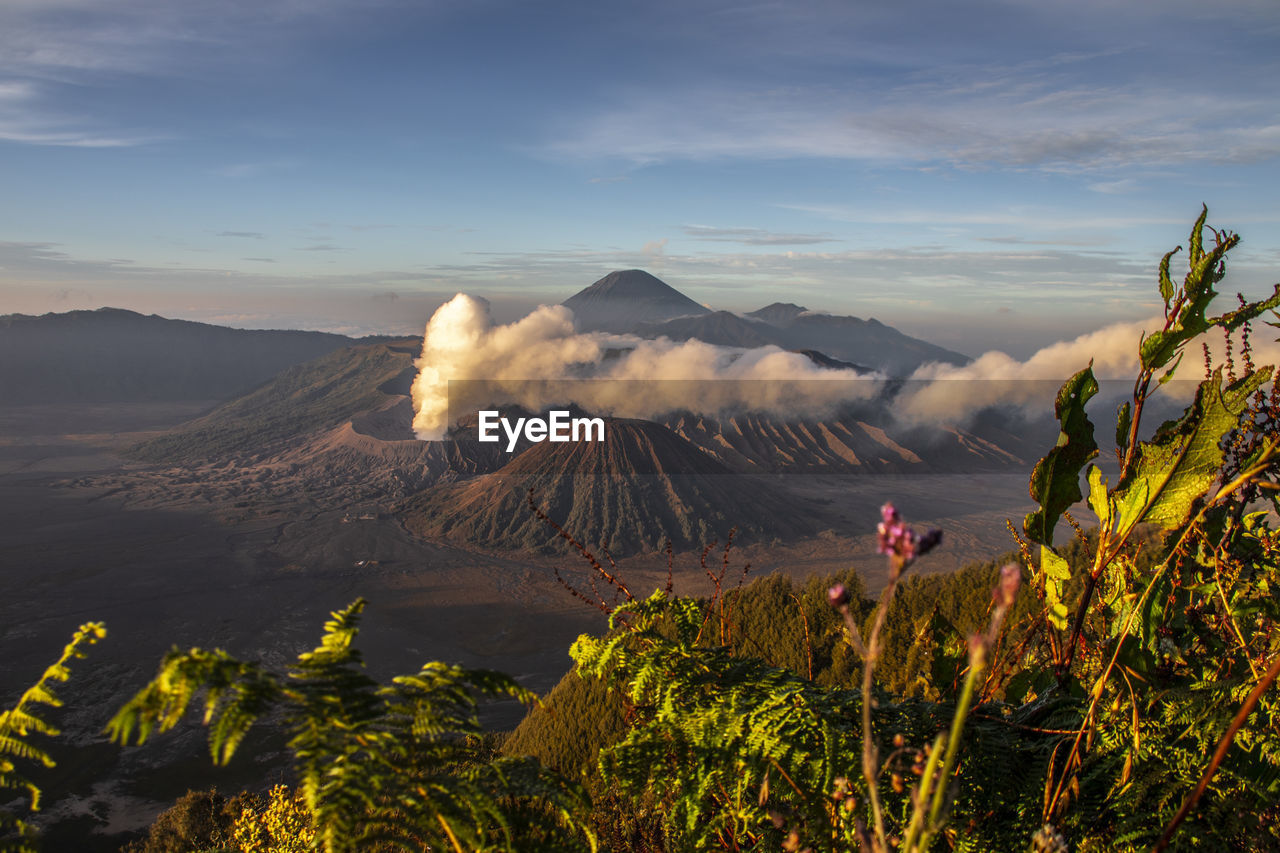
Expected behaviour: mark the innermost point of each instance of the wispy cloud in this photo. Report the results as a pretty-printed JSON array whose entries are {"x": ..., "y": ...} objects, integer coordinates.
[
  {"x": 69, "y": 47},
  {"x": 1118, "y": 187},
  {"x": 248, "y": 235},
  {"x": 998, "y": 126},
  {"x": 1010, "y": 240},
  {"x": 1075, "y": 110},
  {"x": 1023, "y": 215},
  {"x": 948, "y": 296},
  {"x": 26, "y": 116},
  {"x": 62, "y": 39},
  {"x": 753, "y": 236},
  {"x": 934, "y": 277}
]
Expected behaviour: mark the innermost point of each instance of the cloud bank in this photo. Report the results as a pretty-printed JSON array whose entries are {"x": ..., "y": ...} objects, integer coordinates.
[
  {"x": 642, "y": 378},
  {"x": 541, "y": 360}
]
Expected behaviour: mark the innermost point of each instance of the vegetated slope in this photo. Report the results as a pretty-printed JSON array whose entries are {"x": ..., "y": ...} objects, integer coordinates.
[
  {"x": 304, "y": 399},
  {"x": 113, "y": 355},
  {"x": 786, "y": 623},
  {"x": 625, "y": 298},
  {"x": 630, "y": 493}
]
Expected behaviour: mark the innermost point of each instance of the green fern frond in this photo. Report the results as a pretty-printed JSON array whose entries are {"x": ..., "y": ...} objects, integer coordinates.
[
  {"x": 19, "y": 722},
  {"x": 376, "y": 764}
]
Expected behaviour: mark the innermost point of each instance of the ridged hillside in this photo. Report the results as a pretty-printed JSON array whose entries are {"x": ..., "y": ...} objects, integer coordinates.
[
  {"x": 307, "y": 398},
  {"x": 631, "y": 492}
]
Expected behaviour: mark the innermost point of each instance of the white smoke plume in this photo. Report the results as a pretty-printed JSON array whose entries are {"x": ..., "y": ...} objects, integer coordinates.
[
  {"x": 462, "y": 342},
  {"x": 524, "y": 359},
  {"x": 943, "y": 392}
]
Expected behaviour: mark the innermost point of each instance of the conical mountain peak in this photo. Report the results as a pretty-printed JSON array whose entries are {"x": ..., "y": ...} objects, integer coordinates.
[{"x": 625, "y": 298}]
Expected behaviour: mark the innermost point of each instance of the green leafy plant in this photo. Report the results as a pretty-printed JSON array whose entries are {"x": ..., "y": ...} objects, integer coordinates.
[
  {"x": 1092, "y": 718},
  {"x": 19, "y": 723},
  {"x": 280, "y": 825},
  {"x": 1120, "y": 696},
  {"x": 1160, "y": 653},
  {"x": 378, "y": 767}
]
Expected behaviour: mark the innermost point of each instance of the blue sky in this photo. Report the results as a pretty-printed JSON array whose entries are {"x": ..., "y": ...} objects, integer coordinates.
[{"x": 981, "y": 174}]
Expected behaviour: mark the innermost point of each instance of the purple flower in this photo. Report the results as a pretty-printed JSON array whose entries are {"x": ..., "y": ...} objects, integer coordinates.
[
  {"x": 838, "y": 596},
  {"x": 895, "y": 539}
]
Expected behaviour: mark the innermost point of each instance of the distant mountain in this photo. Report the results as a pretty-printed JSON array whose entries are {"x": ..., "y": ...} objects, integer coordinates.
[
  {"x": 630, "y": 493},
  {"x": 848, "y": 339},
  {"x": 779, "y": 313},
  {"x": 865, "y": 342},
  {"x": 823, "y": 360},
  {"x": 633, "y": 301},
  {"x": 624, "y": 299},
  {"x": 113, "y": 355},
  {"x": 717, "y": 327},
  {"x": 298, "y": 402}
]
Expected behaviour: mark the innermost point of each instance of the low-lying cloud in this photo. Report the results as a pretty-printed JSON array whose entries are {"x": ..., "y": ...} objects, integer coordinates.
[
  {"x": 943, "y": 392},
  {"x": 463, "y": 343},
  {"x": 540, "y": 360}
]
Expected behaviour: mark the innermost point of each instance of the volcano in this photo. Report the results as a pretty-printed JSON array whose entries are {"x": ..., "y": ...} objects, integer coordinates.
[
  {"x": 624, "y": 299},
  {"x": 641, "y": 486}
]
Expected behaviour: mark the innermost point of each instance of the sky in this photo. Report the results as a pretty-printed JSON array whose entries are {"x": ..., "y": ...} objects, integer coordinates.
[{"x": 995, "y": 174}]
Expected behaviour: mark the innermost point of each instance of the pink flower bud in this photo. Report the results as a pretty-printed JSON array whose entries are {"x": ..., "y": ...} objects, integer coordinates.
[{"x": 1007, "y": 589}]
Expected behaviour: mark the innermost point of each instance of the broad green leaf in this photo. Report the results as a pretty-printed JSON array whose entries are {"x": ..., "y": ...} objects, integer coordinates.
[
  {"x": 1058, "y": 615},
  {"x": 1158, "y": 348},
  {"x": 1056, "y": 574},
  {"x": 1166, "y": 283},
  {"x": 1099, "y": 500},
  {"x": 1197, "y": 239},
  {"x": 1124, "y": 420},
  {"x": 1055, "y": 481},
  {"x": 1135, "y": 658},
  {"x": 1182, "y": 459}
]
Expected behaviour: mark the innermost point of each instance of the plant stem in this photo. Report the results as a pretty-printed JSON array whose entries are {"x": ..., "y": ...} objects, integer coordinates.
[{"x": 977, "y": 662}]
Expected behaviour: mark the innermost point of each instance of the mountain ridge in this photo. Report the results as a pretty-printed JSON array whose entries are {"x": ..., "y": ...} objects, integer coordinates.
[
  {"x": 639, "y": 303},
  {"x": 118, "y": 355}
]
